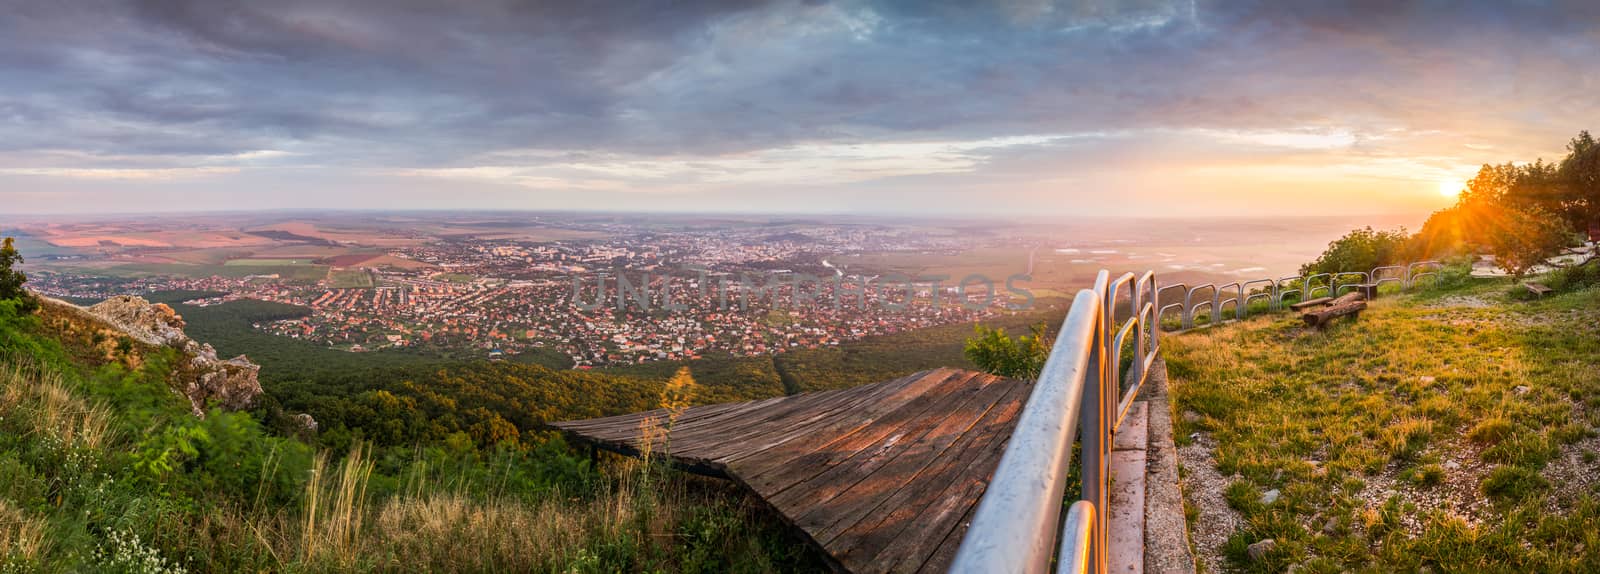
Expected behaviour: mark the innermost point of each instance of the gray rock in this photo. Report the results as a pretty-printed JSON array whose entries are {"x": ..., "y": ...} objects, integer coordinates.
[
  {"x": 1258, "y": 551},
  {"x": 1331, "y": 526},
  {"x": 1269, "y": 496},
  {"x": 306, "y": 422},
  {"x": 1521, "y": 389},
  {"x": 151, "y": 324},
  {"x": 206, "y": 379},
  {"x": 1452, "y": 465}
]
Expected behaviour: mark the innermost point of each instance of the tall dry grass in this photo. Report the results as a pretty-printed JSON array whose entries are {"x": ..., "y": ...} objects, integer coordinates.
[
  {"x": 22, "y": 535},
  {"x": 45, "y": 405},
  {"x": 335, "y": 509}
]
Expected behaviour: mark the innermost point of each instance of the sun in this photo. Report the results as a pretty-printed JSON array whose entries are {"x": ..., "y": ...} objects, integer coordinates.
[{"x": 1450, "y": 188}]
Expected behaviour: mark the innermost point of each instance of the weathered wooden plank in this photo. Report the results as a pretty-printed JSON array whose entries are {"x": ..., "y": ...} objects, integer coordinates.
[
  {"x": 869, "y": 413},
  {"x": 913, "y": 512},
  {"x": 1322, "y": 316},
  {"x": 869, "y": 493},
  {"x": 883, "y": 477},
  {"x": 866, "y": 451},
  {"x": 840, "y": 406},
  {"x": 1308, "y": 303}
]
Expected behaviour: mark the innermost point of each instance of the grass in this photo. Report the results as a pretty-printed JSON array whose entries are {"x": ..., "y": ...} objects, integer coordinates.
[
  {"x": 1444, "y": 430},
  {"x": 267, "y": 262},
  {"x": 103, "y": 469},
  {"x": 349, "y": 279},
  {"x": 288, "y": 272}
]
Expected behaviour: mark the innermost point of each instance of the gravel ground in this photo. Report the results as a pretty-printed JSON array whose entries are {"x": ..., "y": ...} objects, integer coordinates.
[{"x": 1204, "y": 487}]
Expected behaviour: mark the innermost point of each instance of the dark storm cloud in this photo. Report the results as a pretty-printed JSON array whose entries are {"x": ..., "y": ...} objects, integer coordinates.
[{"x": 413, "y": 83}]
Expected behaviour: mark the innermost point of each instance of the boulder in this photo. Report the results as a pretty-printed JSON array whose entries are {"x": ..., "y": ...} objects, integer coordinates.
[
  {"x": 206, "y": 379},
  {"x": 307, "y": 423},
  {"x": 1258, "y": 551},
  {"x": 152, "y": 324}
]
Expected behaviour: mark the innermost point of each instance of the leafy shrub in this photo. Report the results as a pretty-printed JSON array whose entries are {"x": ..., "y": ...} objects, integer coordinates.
[
  {"x": 997, "y": 353},
  {"x": 1573, "y": 278},
  {"x": 1360, "y": 250}
]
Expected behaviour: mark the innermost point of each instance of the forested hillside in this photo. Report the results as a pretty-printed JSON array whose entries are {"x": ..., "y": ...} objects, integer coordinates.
[{"x": 104, "y": 468}]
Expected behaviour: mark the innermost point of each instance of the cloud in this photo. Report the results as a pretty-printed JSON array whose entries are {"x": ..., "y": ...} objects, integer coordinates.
[{"x": 723, "y": 96}]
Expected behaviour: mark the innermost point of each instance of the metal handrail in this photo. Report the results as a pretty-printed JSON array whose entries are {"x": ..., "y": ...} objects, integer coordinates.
[
  {"x": 1333, "y": 283},
  {"x": 1377, "y": 279},
  {"x": 1013, "y": 529},
  {"x": 1188, "y": 307},
  {"x": 1277, "y": 300},
  {"x": 1308, "y": 284},
  {"x": 1217, "y": 301},
  {"x": 1018, "y": 526},
  {"x": 1244, "y": 290},
  {"x": 1412, "y": 276}
]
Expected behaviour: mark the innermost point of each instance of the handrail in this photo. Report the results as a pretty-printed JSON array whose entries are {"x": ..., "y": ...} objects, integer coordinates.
[
  {"x": 1013, "y": 528},
  {"x": 1333, "y": 283},
  {"x": 1308, "y": 285},
  {"x": 1248, "y": 296},
  {"x": 1079, "y": 397},
  {"x": 1412, "y": 276},
  {"x": 1188, "y": 313},
  {"x": 1217, "y": 301}
]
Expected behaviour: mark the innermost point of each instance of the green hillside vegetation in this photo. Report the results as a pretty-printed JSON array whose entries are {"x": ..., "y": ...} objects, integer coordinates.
[
  {"x": 104, "y": 469},
  {"x": 1454, "y": 430}
]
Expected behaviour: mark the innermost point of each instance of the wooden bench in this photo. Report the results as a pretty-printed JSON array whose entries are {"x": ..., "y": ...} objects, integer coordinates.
[
  {"x": 1351, "y": 304},
  {"x": 1368, "y": 290},
  {"x": 1538, "y": 290},
  {"x": 1309, "y": 303}
]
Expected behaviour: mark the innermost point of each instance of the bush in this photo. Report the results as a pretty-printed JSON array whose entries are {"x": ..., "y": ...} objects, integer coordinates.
[
  {"x": 1573, "y": 278},
  {"x": 1360, "y": 250},
  {"x": 997, "y": 353}
]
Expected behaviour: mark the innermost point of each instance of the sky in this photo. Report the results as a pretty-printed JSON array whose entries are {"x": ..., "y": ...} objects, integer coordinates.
[{"x": 1027, "y": 107}]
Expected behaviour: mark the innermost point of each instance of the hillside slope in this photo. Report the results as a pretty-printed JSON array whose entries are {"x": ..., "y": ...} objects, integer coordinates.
[
  {"x": 1452, "y": 431},
  {"x": 105, "y": 467}
]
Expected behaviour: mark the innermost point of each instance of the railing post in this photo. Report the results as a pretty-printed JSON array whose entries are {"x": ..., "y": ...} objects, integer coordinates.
[
  {"x": 1095, "y": 451},
  {"x": 1155, "y": 319}
]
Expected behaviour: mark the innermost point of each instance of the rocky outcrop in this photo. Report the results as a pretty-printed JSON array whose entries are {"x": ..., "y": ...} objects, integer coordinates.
[
  {"x": 205, "y": 379},
  {"x": 230, "y": 383},
  {"x": 152, "y": 324}
]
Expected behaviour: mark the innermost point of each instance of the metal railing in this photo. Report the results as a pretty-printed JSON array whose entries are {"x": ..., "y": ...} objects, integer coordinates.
[
  {"x": 1277, "y": 292},
  {"x": 1079, "y": 395},
  {"x": 1082, "y": 396}
]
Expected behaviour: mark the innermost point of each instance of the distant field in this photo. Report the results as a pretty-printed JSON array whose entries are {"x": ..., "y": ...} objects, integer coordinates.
[
  {"x": 995, "y": 263},
  {"x": 453, "y": 277},
  {"x": 350, "y": 279},
  {"x": 292, "y": 272},
  {"x": 267, "y": 262}
]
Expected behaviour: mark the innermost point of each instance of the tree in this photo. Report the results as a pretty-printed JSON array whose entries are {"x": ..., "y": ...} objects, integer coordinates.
[
  {"x": 1360, "y": 250},
  {"x": 1523, "y": 238},
  {"x": 1580, "y": 175},
  {"x": 996, "y": 353},
  {"x": 11, "y": 280}
]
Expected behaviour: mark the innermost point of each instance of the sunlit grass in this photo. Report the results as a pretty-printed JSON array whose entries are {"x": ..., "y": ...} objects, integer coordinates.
[{"x": 1419, "y": 434}]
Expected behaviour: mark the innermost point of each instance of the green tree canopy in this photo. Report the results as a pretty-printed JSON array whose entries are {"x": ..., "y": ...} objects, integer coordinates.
[
  {"x": 11, "y": 279},
  {"x": 1360, "y": 250}
]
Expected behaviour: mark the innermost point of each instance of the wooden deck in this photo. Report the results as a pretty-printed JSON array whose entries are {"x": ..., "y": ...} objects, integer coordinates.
[{"x": 882, "y": 477}]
